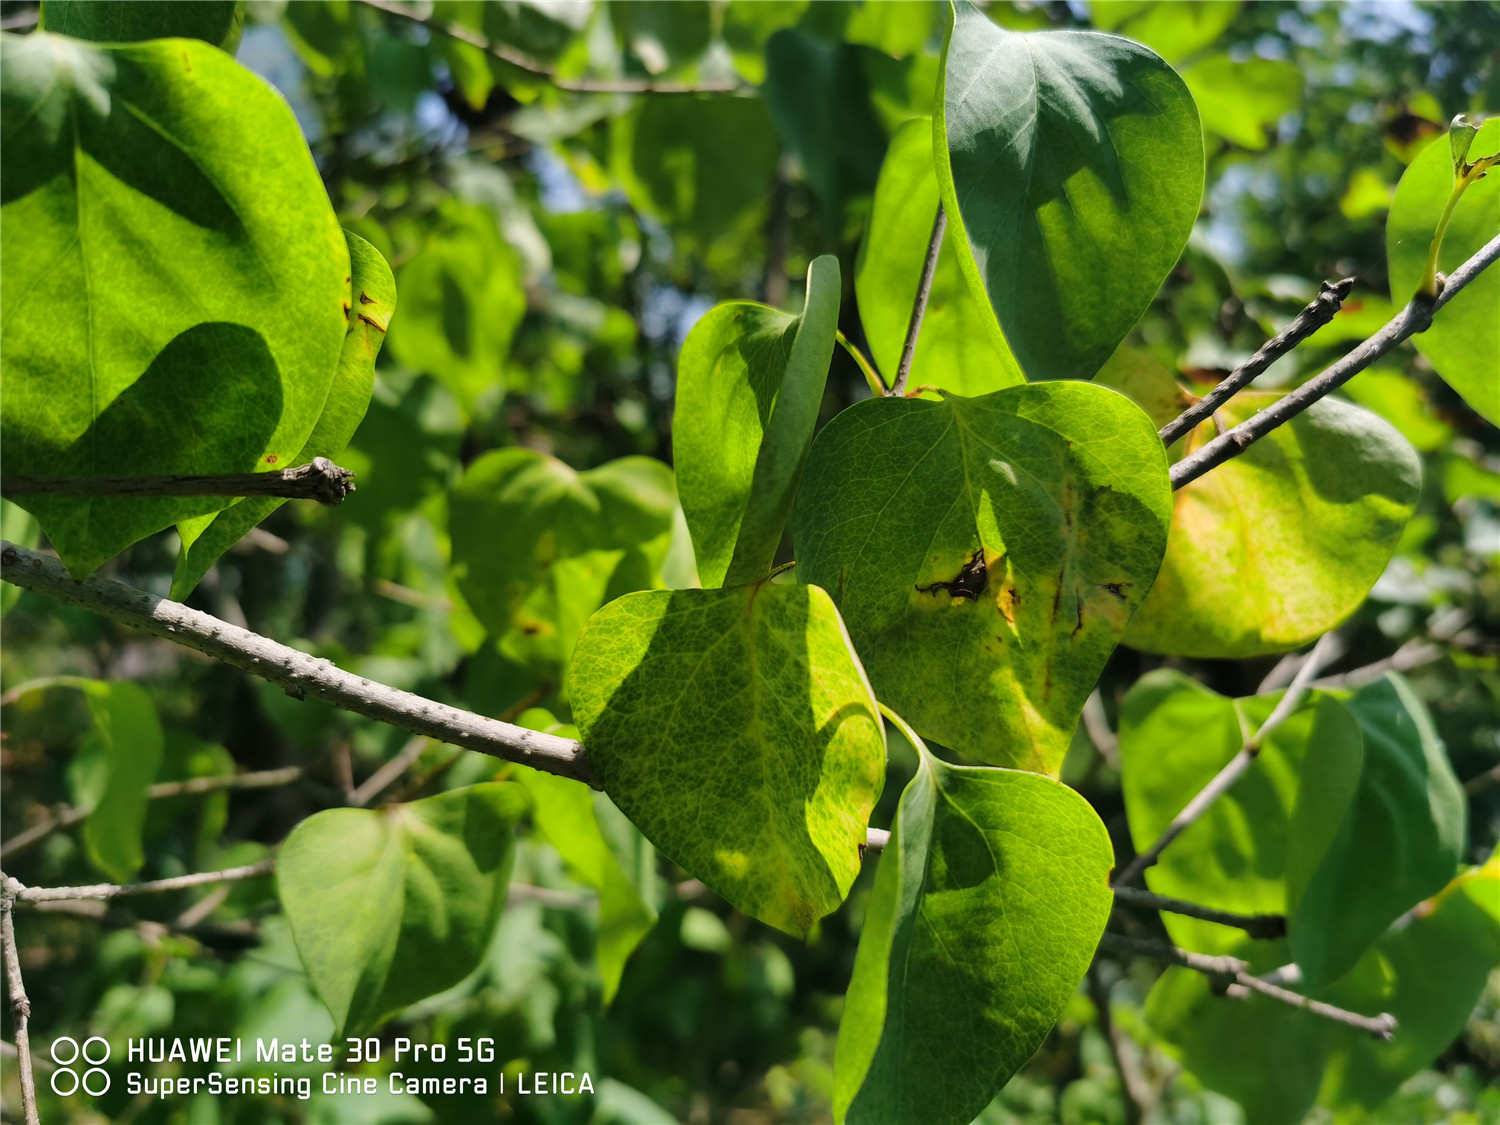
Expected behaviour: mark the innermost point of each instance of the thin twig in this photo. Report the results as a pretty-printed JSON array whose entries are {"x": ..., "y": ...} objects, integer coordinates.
[
  {"x": 1319, "y": 312},
  {"x": 1265, "y": 927},
  {"x": 1235, "y": 768},
  {"x": 521, "y": 61},
  {"x": 1135, "y": 1092},
  {"x": 1233, "y": 977},
  {"x": 1096, "y": 725},
  {"x": 20, "y": 1005},
  {"x": 919, "y": 303},
  {"x": 68, "y": 815},
  {"x": 154, "y": 886},
  {"x": 1482, "y": 781},
  {"x": 301, "y": 675},
  {"x": 389, "y": 771},
  {"x": 320, "y": 479},
  {"x": 1414, "y": 318}
]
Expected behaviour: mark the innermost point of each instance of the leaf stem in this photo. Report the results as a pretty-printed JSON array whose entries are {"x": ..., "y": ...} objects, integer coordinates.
[
  {"x": 919, "y": 303},
  {"x": 320, "y": 479},
  {"x": 1414, "y": 318},
  {"x": 1233, "y": 978}
]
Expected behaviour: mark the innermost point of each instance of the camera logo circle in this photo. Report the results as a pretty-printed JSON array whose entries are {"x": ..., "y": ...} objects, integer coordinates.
[{"x": 80, "y": 1065}]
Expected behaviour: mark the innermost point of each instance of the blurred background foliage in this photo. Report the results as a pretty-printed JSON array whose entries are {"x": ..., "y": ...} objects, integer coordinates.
[{"x": 553, "y": 243}]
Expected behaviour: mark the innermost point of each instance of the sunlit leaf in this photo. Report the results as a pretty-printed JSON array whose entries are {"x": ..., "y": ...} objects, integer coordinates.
[
  {"x": 170, "y": 252},
  {"x": 988, "y": 903},
  {"x": 736, "y": 729},
  {"x": 1071, "y": 164},
  {"x": 749, "y": 385},
  {"x": 986, "y": 554}
]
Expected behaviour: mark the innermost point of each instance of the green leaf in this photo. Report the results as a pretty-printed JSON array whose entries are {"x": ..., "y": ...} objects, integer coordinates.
[
  {"x": 393, "y": 905},
  {"x": 1060, "y": 491},
  {"x": 116, "y": 764},
  {"x": 463, "y": 300},
  {"x": 1402, "y": 840},
  {"x": 538, "y": 547},
  {"x": 106, "y": 21},
  {"x": 1465, "y": 334},
  {"x": 1242, "y": 99},
  {"x": 748, "y": 24},
  {"x": 587, "y": 830},
  {"x": 988, "y": 904},
  {"x": 169, "y": 252},
  {"x": 737, "y": 730},
  {"x": 701, "y": 165},
  {"x": 1254, "y": 850},
  {"x": 961, "y": 347},
  {"x": 1277, "y": 546},
  {"x": 1428, "y": 972},
  {"x": 371, "y": 304},
  {"x": 749, "y": 384},
  {"x": 1174, "y": 30},
  {"x": 1072, "y": 164},
  {"x": 820, "y": 103}
]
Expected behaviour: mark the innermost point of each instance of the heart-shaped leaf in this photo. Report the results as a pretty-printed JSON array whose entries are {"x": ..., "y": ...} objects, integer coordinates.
[
  {"x": 749, "y": 383},
  {"x": 986, "y": 554},
  {"x": 1331, "y": 490},
  {"x": 961, "y": 347},
  {"x": 372, "y": 302},
  {"x": 538, "y": 547},
  {"x": 1071, "y": 163},
  {"x": 988, "y": 904},
  {"x": 389, "y": 906},
  {"x": 1465, "y": 336},
  {"x": 202, "y": 275},
  {"x": 737, "y": 730}
]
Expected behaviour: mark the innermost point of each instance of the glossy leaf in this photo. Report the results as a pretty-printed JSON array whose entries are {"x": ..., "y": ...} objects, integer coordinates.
[
  {"x": 737, "y": 730},
  {"x": 1277, "y": 546},
  {"x": 1465, "y": 336},
  {"x": 463, "y": 298},
  {"x": 1071, "y": 163},
  {"x": 988, "y": 904},
  {"x": 371, "y": 304},
  {"x": 1409, "y": 811},
  {"x": 116, "y": 763},
  {"x": 749, "y": 384},
  {"x": 388, "y": 906},
  {"x": 537, "y": 547},
  {"x": 105, "y": 21},
  {"x": 1255, "y": 849},
  {"x": 961, "y": 347},
  {"x": 169, "y": 247},
  {"x": 986, "y": 554}
]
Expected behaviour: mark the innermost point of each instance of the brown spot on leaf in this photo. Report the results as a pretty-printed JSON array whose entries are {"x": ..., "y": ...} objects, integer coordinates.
[
  {"x": 968, "y": 583},
  {"x": 1115, "y": 588},
  {"x": 365, "y": 298},
  {"x": 271, "y": 458}
]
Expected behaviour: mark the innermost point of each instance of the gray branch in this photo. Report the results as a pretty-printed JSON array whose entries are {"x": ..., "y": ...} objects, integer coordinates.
[
  {"x": 20, "y": 1005},
  {"x": 320, "y": 479},
  {"x": 1414, "y": 318},
  {"x": 1233, "y": 978},
  {"x": 919, "y": 303},
  {"x": 1265, "y": 927},
  {"x": 1320, "y": 311}
]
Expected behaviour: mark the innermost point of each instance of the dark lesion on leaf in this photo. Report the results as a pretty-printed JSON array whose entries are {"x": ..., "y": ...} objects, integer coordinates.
[
  {"x": 1117, "y": 589},
  {"x": 968, "y": 583}
]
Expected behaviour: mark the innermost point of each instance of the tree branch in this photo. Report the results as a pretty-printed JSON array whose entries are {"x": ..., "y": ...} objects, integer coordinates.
[
  {"x": 1320, "y": 311},
  {"x": 20, "y": 1005},
  {"x": 1414, "y": 318},
  {"x": 1265, "y": 927},
  {"x": 522, "y": 61},
  {"x": 23, "y": 893},
  {"x": 301, "y": 675},
  {"x": 320, "y": 479},
  {"x": 1236, "y": 767},
  {"x": 68, "y": 815},
  {"x": 1233, "y": 977},
  {"x": 1134, "y": 1090},
  {"x": 919, "y": 303}
]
